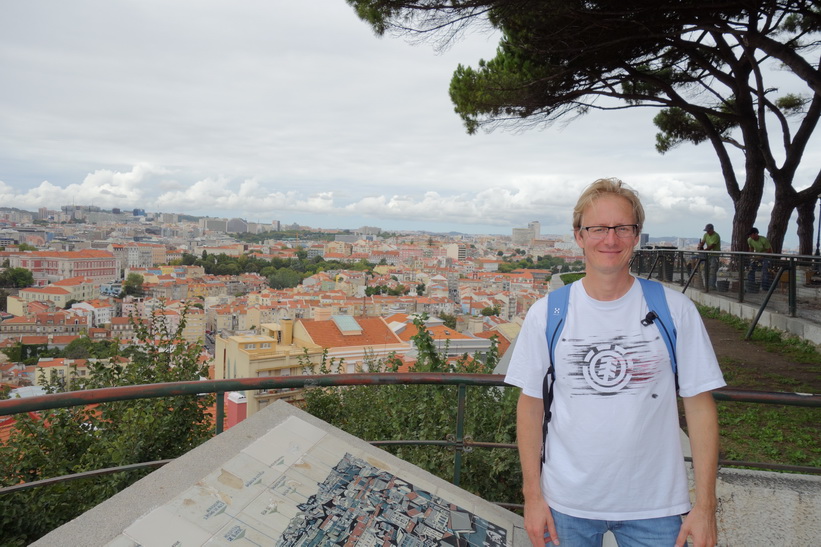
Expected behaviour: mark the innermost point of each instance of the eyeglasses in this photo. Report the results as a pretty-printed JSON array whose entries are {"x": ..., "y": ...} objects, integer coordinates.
[{"x": 622, "y": 230}]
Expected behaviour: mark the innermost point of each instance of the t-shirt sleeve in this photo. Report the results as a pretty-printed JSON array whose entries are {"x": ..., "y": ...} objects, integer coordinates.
[
  {"x": 698, "y": 369},
  {"x": 530, "y": 358}
]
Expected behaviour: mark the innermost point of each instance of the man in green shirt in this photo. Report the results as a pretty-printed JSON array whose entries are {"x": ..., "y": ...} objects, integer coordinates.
[
  {"x": 711, "y": 241},
  {"x": 759, "y": 244}
]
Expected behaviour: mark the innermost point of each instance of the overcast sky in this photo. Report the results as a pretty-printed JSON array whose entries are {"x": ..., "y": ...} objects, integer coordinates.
[{"x": 294, "y": 111}]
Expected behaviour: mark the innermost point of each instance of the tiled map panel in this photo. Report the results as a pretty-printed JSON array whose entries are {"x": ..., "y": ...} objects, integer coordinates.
[{"x": 300, "y": 486}]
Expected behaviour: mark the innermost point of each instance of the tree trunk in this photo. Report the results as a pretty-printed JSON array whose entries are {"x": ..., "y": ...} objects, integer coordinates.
[
  {"x": 806, "y": 223},
  {"x": 779, "y": 220},
  {"x": 746, "y": 210}
]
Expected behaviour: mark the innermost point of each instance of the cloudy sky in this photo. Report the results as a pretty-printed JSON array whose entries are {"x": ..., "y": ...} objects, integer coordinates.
[{"x": 294, "y": 111}]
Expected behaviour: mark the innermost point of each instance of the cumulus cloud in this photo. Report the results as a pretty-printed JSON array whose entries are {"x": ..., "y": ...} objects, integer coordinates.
[{"x": 103, "y": 187}]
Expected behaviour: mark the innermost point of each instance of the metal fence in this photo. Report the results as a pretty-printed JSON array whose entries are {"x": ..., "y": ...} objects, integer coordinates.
[
  {"x": 786, "y": 284},
  {"x": 456, "y": 441}
]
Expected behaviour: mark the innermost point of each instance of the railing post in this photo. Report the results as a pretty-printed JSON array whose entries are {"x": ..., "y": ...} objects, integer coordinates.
[
  {"x": 792, "y": 295},
  {"x": 460, "y": 434},
  {"x": 220, "y": 411}
]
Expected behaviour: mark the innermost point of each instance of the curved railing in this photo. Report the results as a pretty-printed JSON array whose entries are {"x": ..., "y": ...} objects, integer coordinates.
[{"x": 456, "y": 442}]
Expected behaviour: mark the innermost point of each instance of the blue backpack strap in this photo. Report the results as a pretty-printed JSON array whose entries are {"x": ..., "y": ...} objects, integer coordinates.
[
  {"x": 657, "y": 302},
  {"x": 556, "y": 312}
]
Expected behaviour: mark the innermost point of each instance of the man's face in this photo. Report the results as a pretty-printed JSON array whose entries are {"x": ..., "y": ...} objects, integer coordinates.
[
  {"x": 612, "y": 253},
  {"x": 754, "y": 236}
]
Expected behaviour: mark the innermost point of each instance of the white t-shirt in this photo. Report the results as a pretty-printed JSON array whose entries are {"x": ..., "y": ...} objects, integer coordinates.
[{"x": 613, "y": 449}]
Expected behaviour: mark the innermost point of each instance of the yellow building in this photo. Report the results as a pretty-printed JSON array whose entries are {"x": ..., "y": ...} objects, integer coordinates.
[
  {"x": 292, "y": 348},
  {"x": 262, "y": 355}
]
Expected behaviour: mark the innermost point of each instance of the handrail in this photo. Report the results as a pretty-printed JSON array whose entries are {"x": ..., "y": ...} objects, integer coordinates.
[
  {"x": 195, "y": 387},
  {"x": 459, "y": 443}
]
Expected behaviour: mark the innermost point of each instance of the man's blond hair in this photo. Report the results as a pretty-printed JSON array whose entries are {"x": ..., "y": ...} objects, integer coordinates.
[{"x": 605, "y": 187}]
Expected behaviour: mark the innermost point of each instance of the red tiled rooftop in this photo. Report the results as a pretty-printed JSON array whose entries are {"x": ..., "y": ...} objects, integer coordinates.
[{"x": 375, "y": 332}]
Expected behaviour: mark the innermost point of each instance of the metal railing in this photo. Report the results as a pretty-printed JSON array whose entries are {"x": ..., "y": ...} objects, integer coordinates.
[
  {"x": 783, "y": 283},
  {"x": 456, "y": 442}
]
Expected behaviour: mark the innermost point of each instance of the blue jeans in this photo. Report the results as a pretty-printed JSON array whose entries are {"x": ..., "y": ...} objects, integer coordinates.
[{"x": 656, "y": 532}]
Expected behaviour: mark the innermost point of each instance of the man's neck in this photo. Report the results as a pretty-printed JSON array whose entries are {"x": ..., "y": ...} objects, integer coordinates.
[{"x": 607, "y": 287}]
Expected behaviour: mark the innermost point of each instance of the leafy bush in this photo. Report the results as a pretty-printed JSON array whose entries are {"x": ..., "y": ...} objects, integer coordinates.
[
  {"x": 429, "y": 412},
  {"x": 72, "y": 440}
]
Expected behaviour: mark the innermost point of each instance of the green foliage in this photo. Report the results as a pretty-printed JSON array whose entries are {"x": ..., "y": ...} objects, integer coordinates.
[
  {"x": 541, "y": 263},
  {"x": 16, "y": 277},
  {"x": 28, "y": 353},
  {"x": 791, "y": 104},
  {"x": 449, "y": 319},
  {"x": 280, "y": 273},
  {"x": 706, "y": 64},
  {"x": 797, "y": 349},
  {"x": 768, "y": 433},
  {"x": 491, "y": 310},
  {"x": 86, "y": 348},
  {"x": 133, "y": 284},
  {"x": 569, "y": 278},
  {"x": 77, "y": 439},
  {"x": 678, "y": 126},
  {"x": 284, "y": 278},
  {"x": 428, "y": 412}
]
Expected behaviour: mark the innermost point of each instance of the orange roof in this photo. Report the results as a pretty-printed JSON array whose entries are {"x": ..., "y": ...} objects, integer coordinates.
[
  {"x": 375, "y": 332},
  {"x": 44, "y": 339},
  {"x": 61, "y": 362},
  {"x": 7, "y": 424},
  {"x": 47, "y": 290},
  {"x": 19, "y": 320},
  {"x": 397, "y": 318},
  {"x": 74, "y": 281},
  {"x": 439, "y": 332},
  {"x": 85, "y": 253},
  {"x": 504, "y": 343}
]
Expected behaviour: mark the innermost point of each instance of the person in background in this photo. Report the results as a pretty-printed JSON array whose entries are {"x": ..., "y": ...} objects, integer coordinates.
[
  {"x": 613, "y": 458},
  {"x": 711, "y": 241},
  {"x": 759, "y": 244}
]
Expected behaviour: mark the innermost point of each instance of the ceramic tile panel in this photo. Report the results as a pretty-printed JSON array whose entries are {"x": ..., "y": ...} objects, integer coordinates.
[
  {"x": 163, "y": 527},
  {"x": 298, "y": 484}
]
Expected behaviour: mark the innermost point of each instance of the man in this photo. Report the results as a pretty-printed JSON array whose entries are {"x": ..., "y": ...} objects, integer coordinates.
[
  {"x": 758, "y": 244},
  {"x": 711, "y": 241},
  {"x": 613, "y": 457}
]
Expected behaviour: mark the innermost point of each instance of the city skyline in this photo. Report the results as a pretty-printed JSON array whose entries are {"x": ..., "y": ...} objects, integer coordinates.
[{"x": 300, "y": 114}]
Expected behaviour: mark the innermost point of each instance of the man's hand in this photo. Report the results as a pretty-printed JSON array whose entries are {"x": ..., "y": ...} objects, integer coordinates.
[
  {"x": 539, "y": 523},
  {"x": 700, "y": 525},
  {"x": 702, "y": 425}
]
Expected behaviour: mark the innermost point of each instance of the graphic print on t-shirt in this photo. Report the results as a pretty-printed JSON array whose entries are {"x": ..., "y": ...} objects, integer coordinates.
[
  {"x": 611, "y": 368},
  {"x": 607, "y": 368}
]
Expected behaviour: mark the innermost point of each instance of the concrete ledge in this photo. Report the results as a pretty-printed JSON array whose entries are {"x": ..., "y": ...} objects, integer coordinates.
[
  {"x": 765, "y": 508},
  {"x": 806, "y": 330},
  {"x": 104, "y": 525}
]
